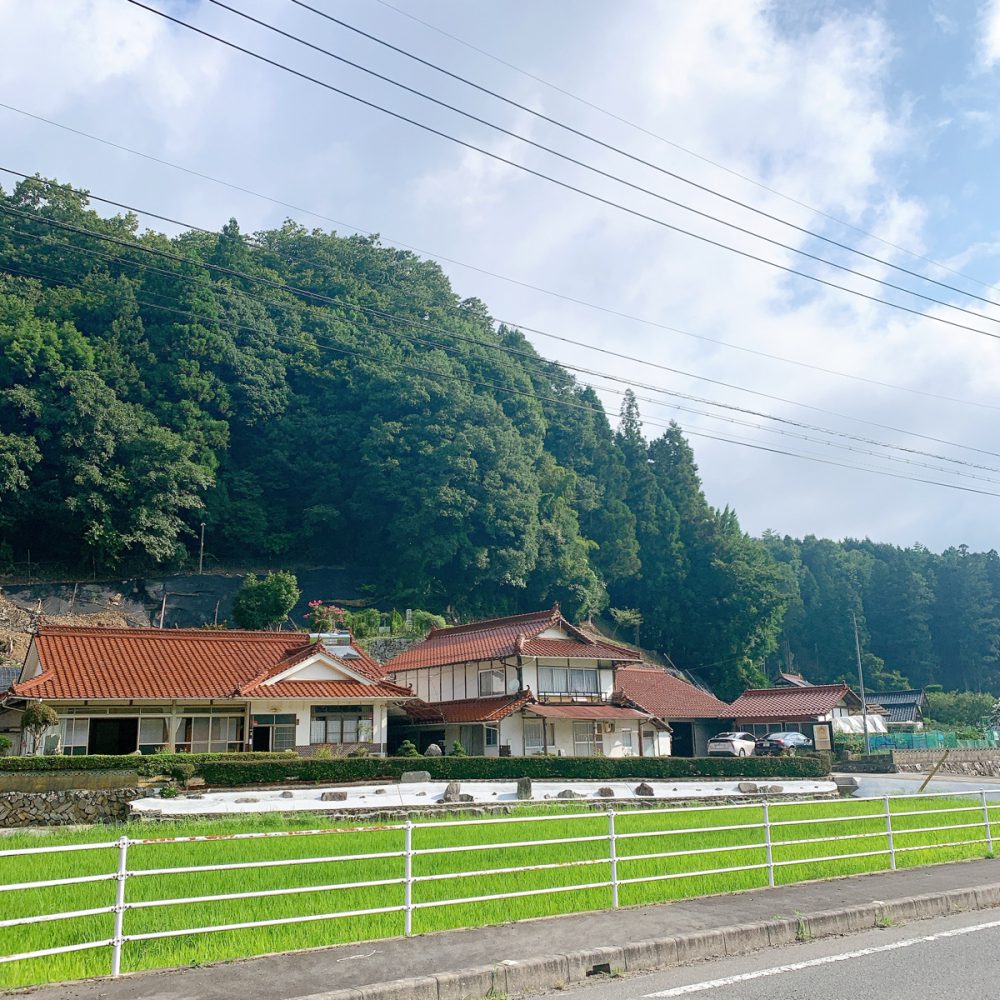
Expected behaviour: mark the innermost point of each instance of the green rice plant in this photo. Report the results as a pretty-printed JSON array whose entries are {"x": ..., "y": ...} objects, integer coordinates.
[{"x": 661, "y": 855}]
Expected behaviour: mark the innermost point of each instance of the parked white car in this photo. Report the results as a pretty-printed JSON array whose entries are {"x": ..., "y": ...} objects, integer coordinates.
[{"x": 732, "y": 745}]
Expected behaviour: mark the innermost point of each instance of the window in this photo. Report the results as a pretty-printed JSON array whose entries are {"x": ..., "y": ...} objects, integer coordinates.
[
  {"x": 209, "y": 734},
  {"x": 626, "y": 735},
  {"x": 536, "y": 740},
  {"x": 152, "y": 735},
  {"x": 491, "y": 682},
  {"x": 492, "y": 736},
  {"x": 340, "y": 724},
  {"x": 561, "y": 680},
  {"x": 584, "y": 740},
  {"x": 73, "y": 735}
]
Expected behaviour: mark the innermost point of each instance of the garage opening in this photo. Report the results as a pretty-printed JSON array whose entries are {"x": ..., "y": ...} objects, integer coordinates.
[
  {"x": 682, "y": 742},
  {"x": 113, "y": 736}
]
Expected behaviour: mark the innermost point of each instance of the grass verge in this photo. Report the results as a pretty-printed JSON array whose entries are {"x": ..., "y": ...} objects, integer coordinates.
[{"x": 804, "y": 847}]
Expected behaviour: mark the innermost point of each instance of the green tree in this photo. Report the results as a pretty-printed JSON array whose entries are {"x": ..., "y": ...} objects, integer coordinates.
[{"x": 262, "y": 604}]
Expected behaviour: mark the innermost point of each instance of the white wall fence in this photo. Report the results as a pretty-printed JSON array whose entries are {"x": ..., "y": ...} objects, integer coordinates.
[{"x": 970, "y": 815}]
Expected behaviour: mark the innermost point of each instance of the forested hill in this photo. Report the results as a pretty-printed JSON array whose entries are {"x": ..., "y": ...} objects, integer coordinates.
[{"x": 330, "y": 400}]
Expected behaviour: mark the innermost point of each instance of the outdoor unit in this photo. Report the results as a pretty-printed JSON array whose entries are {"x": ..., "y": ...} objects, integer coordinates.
[{"x": 609, "y": 727}]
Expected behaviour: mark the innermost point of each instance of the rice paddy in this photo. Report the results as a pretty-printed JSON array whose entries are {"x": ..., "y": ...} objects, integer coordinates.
[{"x": 696, "y": 839}]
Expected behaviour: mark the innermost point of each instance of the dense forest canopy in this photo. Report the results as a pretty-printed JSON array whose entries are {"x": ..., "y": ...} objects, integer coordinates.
[{"x": 310, "y": 397}]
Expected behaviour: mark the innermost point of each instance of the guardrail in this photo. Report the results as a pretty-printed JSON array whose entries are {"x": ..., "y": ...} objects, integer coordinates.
[{"x": 768, "y": 827}]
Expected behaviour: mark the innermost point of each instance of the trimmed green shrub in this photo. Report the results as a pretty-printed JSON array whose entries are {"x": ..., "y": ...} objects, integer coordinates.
[
  {"x": 153, "y": 764},
  {"x": 233, "y": 769},
  {"x": 245, "y": 772}
]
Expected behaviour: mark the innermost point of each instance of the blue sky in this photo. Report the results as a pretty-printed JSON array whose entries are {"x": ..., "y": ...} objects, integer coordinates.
[{"x": 885, "y": 116}]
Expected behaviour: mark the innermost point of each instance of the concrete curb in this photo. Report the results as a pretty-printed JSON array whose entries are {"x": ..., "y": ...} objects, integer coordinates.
[{"x": 546, "y": 972}]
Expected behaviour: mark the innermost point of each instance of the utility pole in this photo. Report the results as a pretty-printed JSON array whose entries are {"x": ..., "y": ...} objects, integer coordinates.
[
  {"x": 201, "y": 549},
  {"x": 861, "y": 682}
]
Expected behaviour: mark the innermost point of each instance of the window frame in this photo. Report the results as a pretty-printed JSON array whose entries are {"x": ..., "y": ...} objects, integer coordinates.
[{"x": 496, "y": 674}]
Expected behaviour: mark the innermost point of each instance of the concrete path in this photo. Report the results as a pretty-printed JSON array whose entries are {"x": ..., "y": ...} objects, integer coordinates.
[{"x": 358, "y": 966}]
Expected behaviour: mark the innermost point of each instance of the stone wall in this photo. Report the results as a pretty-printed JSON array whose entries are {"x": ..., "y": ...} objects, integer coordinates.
[
  {"x": 58, "y": 781},
  {"x": 975, "y": 763},
  {"x": 877, "y": 763},
  {"x": 69, "y": 806},
  {"x": 384, "y": 649}
]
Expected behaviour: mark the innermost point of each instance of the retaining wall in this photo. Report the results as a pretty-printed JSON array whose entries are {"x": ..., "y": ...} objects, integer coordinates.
[
  {"x": 69, "y": 806},
  {"x": 980, "y": 763}
]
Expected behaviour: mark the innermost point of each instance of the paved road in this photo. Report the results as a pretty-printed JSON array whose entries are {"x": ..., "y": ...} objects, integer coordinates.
[{"x": 927, "y": 960}]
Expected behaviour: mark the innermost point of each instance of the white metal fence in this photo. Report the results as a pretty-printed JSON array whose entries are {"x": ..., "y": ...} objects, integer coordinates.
[{"x": 978, "y": 827}]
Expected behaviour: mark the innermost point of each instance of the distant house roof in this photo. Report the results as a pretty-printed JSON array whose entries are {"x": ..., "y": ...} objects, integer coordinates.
[
  {"x": 790, "y": 703},
  {"x": 8, "y": 676},
  {"x": 901, "y": 706},
  {"x": 159, "y": 664},
  {"x": 792, "y": 680},
  {"x": 498, "y": 638},
  {"x": 658, "y": 692}
]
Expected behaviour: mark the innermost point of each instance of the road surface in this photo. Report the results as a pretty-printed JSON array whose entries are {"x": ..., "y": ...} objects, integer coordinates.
[{"x": 925, "y": 960}]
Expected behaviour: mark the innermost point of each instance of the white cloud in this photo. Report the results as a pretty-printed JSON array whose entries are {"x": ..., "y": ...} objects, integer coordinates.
[{"x": 990, "y": 33}]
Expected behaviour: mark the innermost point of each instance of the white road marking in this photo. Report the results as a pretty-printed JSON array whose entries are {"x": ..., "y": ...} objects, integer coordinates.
[{"x": 714, "y": 984}]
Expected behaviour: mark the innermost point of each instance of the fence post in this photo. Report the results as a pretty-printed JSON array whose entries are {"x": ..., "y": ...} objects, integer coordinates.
[
  {"x": 767, "y": 845},
  {"x": 118, "y": 938},
  {"x": 888, "y": 833},
  {"x": 612, "y": 841},
  {"x": 408, "y": 879},
  {"x": 986, "y": 823}
]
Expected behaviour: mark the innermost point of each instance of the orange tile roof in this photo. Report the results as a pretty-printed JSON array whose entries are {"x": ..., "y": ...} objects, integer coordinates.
[
  {"x": 667, "y": 697},
  {"x": 777, "y": 704},
  {"x": 585, "y": 712},
  {"x": 467, "y": 709},
  {"x": 147, "y": 664},
  {"x": 497, "y": 638}
]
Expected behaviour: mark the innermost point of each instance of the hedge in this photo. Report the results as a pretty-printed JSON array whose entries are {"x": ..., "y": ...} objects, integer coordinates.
[
  {"x": 233, "y": 769},
  {"x": 252, "y": 772},
  {"x": 144, "y": 764}
]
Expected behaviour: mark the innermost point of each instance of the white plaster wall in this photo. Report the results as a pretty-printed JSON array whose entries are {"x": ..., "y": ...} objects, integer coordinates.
[{"x": 454, "y": 682}]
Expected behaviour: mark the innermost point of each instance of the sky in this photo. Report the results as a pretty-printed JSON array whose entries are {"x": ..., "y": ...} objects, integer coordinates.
[{"x": 876, "y": 125}]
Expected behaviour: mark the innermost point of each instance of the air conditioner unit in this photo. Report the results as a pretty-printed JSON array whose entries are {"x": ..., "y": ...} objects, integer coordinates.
[{"x": 609, "y": 727}]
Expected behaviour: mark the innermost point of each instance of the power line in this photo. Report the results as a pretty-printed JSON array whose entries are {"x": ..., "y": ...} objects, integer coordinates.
[
  {"x": 395, "y": 318},
  {"x": 599, "y": 411},
  {"x": 523, "y": 284},
  {"x": 589, "y": 194},
  {"x": 707, "y": 189},
  {"x": 535, "y": 359},
  {"x": 684, "y": 149}
]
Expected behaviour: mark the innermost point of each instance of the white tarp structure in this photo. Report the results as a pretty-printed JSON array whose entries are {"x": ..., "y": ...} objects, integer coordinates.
[{"x": 854, "y": 724}]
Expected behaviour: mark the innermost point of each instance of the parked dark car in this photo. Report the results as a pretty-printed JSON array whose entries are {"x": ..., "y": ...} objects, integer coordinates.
[{"x": 782, "y": 743}]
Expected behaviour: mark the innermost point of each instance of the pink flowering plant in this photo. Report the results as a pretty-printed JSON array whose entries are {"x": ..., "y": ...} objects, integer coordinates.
[{"x": 325, "y": 617}]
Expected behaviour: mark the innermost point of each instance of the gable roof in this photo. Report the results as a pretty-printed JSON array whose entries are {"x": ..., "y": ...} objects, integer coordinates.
[
  {"x": 146, "y": 664},
  {"x": 792, "y": 680},
  {"x": 900, "y": 706},
  {"x": 497, "y": 638},
  {"x": 658, "y": 692},
  {"x": 793, "y": 703}
]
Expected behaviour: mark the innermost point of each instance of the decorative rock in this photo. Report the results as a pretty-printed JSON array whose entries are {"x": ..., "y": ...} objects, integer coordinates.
[
  {"x": 248, "y": 798},
  {"x": 606, "y": 793},
  {"x": 568, "y": 793},
  {"x": 524, "y": 789},
  {"x": 451, "y": 792},
  {"x": 194, "y": 795},
  {"x": 748, "y": 787},
  {"x": 288, "y": 795},
  {"x": 645, "y": 790},
  {"x": 772, "y": 789},
  {"x": 414, "y": 777},
  {"x": 330, "y": 797},
  {"x": 380, "y": 791},
  {"x": 465, "y": 797},
  {"x": 433, "y": 751}
]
